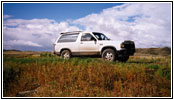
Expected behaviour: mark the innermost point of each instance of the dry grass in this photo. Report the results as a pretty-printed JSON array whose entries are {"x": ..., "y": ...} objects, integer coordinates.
[{"x": 141, "y": 76}]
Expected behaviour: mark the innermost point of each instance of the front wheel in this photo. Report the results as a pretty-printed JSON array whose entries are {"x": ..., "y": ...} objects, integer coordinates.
[
  {"x": 109, "y": 55},
  {"x": 65, "y": 54}
]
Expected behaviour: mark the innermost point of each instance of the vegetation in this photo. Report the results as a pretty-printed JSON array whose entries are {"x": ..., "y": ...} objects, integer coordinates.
[{"x": 141, "y": 76}]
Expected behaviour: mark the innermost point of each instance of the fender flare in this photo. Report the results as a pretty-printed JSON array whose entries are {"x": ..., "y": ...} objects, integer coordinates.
[{"x": 106, "y": 47}]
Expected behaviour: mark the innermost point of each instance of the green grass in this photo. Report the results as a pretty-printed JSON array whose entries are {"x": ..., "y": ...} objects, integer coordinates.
[{"x": 87, "y": 77}]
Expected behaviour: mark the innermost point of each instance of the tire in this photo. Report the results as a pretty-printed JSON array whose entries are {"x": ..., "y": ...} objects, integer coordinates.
[
  {"x": 123, "y": 59},
  {"x": 109, "y": 55},
  {"x": 66, "y": 54}
]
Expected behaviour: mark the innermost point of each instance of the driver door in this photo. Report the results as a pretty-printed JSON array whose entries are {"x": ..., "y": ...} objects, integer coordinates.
[{"x": 88, "y": 45}]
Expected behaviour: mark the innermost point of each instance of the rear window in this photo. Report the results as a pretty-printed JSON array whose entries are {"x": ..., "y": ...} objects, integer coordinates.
[{"x": 68, "y": 37}]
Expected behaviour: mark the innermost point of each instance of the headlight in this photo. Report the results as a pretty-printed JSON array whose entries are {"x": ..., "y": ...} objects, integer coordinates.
[{"x": 122, "y": 45}]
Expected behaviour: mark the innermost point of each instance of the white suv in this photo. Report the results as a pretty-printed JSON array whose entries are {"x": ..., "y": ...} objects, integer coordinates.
[{"x": 79, "y": 43}]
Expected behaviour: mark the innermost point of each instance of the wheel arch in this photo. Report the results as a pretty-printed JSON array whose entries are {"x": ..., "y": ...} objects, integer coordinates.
[
  {"x": 108, "y": 47},
  {"x": 65, "y": 49}
]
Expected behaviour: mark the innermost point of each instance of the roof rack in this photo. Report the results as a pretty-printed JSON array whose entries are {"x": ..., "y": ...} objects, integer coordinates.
[{"x": 70, "y": 32}]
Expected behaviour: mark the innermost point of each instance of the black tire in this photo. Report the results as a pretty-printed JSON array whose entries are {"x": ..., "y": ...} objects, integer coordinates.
[
  {"x": 65, "y": 54},
  {"x": 123, "y": 59},
  {"x": 109, "y": 55}
]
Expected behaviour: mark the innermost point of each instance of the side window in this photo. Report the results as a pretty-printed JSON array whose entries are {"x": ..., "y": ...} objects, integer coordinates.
[
  {"x": 68, "y": 38},
  {"x": 87, "y": 37}
]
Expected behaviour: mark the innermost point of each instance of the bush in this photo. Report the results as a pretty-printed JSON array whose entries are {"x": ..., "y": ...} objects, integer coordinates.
[
  {"x": 46, "y": 55},
  {"x": 10, "y": 74}
]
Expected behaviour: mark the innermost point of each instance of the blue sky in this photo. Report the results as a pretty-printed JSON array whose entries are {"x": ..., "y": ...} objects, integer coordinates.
[
  {"x": 36, "y": 26},
  {"x": 56, "y": 11}
]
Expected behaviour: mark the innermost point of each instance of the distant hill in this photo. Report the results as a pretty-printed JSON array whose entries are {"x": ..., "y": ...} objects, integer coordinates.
[
  {"x": 11, "y": 50},
  {"x": 139, "y": 51},
  {"x": 153, "y": 51}
]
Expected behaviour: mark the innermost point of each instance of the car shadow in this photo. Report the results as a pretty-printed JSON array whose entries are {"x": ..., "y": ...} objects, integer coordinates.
[
  {"x": 88, "y": 56},
  {"x": 140, "y": 62}
]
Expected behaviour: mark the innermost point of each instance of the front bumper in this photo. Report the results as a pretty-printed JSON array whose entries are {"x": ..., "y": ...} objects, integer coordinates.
[{"x": 128, "y": 48}]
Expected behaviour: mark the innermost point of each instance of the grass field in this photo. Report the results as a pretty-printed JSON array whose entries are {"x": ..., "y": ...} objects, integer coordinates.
[{"x": 141, "y": 76}]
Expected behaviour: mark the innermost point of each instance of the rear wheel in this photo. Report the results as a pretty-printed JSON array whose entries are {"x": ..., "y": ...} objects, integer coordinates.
[
  {"x": 66, "y": 54},
  {"x": 109, "y": 55}
]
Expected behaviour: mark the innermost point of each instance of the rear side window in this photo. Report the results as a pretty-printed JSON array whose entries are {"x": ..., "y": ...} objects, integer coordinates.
[{"x": 68, "y": 37}]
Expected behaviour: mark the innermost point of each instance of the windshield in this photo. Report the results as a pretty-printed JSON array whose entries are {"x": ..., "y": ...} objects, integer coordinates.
[{"x": 100, "y": 36}]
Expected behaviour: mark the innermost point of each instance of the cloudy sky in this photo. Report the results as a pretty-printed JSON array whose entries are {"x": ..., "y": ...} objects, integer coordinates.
[{"x": 35, "y": 26}]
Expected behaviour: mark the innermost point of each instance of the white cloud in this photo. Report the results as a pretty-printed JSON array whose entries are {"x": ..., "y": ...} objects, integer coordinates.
[
  {"x": 34, "y": 32},
  {"x": 148, "y": 24},
  {"x": 22, "y": 43},
  {"x": 6, "y": 16}
]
